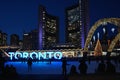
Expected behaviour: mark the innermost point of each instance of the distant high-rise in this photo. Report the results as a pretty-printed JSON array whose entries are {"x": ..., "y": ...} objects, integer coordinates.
[
  {"x": 77, "y": 23},
  {"x": 34, "y": 39},
  {"x": 26, "y": 41},
  {"x": 48, "y": 29},
  {"x": 30, "y": 40},
  {"x": 3, "y": 39},
  {"x": 14, "y": 40}
]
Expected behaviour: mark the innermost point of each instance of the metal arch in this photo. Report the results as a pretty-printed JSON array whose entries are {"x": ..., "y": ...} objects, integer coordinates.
[
  {"x": 114, "y": 42},
  {"x": 115, "y": 21}
]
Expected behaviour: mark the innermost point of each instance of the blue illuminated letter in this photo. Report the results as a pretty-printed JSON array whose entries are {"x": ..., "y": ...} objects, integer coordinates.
[
  {"x": 18, "y": 53},
  {"x": 25, "y": 54},
  {"x": 50, "y": 54},
  {"x": 58, "y": 55},
  {"x": 43, "y": 55},
  {"x": 31, "y": 55},
  {"x": 11, "y": 54}
]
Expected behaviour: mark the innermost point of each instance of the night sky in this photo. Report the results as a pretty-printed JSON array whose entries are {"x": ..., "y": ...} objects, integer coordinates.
[{"x": 17, "y": 16}]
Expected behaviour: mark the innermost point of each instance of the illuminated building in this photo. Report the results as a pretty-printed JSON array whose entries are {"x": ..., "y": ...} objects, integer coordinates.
[
  {"x": 34, "y": 39},
  {"x": 14, "y": 40},
  {"x": 48, "y": 29},
  {"x": 77, "y": 24},
  {"x": 3, "y": 39},
  {"x": 30, "y": 40},
  {"x": 26, "y": 41}
]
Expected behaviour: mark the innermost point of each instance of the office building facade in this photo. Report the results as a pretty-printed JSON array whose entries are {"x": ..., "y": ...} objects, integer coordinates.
[
  {"x": 77, "y": 23},
  {"x": 30, "y": 40},
  {"x": 3, "y": 39},
  {"x": 14, "y": 40},
  {"x": 48, "y": 29}
]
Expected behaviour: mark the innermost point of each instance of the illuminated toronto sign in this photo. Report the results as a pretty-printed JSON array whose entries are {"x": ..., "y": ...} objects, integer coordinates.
[{"x": 35, "y": 55}]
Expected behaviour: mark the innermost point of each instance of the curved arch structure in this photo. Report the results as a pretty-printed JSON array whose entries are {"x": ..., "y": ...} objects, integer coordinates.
[
  {"x": 114, "y": 42},
  {"x": 115, "y": 21}
]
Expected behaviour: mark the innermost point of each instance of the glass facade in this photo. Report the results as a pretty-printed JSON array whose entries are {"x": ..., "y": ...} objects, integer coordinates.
[
  {"x": 73, "y": 27},
  {"x": 77, "y": 24},
  {"x": 51, "y": 34},
  {"x": 48, "y": 29},
  {"x": 14, "y": 40},
  {"x": 3, "y": 39},
  {"x": 30, "y": 40}
]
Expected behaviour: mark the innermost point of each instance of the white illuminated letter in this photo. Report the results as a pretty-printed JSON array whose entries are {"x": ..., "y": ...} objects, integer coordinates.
[
  {"x": 31, "y": 55},
  {"x": 25, "y": 54},
  {"x": 11, "y": 54},
  {"x": 43, "y": 55},
  {"x": 58, "y": 53},
  {"x": 50, "y": 54},
  {"x": 18, "y": 53}
]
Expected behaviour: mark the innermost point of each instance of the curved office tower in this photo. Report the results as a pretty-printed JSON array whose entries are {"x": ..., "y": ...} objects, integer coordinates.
[
  {"x": 48, "y": 29},
  {"x": 77, "y": 24}
]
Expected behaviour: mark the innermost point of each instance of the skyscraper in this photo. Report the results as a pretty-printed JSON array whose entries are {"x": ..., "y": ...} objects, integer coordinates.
[
  {"x": 3, "y": 39},
  {"x": 48, "y": 29},
  {"x": 14, "y": 40},
  {"x": 77, "y": 23},
  {"x": 26, "y": 41},
  {"x": 30, "y": 40}
]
